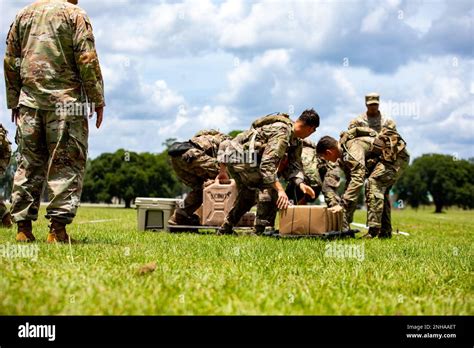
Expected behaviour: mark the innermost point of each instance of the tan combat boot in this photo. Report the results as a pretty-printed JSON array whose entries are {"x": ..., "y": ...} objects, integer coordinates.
[
  {"x": 57, "y": 233},
  {"x": 25, "y": 232},
  {"x": 7, "y": 221}
]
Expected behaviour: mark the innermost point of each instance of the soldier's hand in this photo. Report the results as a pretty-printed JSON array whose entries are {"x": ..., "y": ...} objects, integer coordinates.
[
  {"x": 307, "y": 190},
  {"x": 223, "y": 177},
  {"x": 15, "y": 115},
  {"x": 282, "y": 201},
  {"x": 336, "y": 209},
  {"x": 100, "y": 115}
]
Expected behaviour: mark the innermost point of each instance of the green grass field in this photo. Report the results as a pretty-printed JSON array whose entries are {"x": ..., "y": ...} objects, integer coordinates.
[{"x": 429, "y": 272}]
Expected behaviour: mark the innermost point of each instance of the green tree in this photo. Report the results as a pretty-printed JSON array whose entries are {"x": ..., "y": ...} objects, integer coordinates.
[
  {"x": 234, "y": 133},
  {"x": 126, "y": 175},
  {"x": 449, "y": 181}
]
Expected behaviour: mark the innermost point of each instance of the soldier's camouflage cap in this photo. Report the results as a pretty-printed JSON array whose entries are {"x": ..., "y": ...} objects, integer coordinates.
[{"x": 372, "y": 98}]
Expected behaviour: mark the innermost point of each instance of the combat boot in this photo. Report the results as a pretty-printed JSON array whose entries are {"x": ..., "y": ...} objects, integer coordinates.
[
  {"x": 385, "y": 234},
  {"x": 7, "y": 221},
  {"x": 226, "y": 228},
  {"x": 180, "y": 217},
  {"x": 25, "y": 232},
  {"x": 57, "y": 233},
  {"x": 260, "y": 229},
  {"x": 374, "y": 231}
]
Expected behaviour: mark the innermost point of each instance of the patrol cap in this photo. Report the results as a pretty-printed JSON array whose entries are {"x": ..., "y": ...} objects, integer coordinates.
[{"x": 372, "y": 98}]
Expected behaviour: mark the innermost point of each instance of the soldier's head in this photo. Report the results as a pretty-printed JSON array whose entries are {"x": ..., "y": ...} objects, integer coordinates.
[
  {"x": 372, "y": 101},
  {"x": 306, "y": 124},
  {"x": 328, "y": 149},
  {"x": 74, "y": 2}
]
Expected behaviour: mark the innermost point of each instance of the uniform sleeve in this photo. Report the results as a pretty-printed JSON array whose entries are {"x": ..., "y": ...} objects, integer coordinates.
[
  {"x": 310, "y": 167},
  {"x": 11, "y": 65},
  {"x": 390, "y": 124},
  {"x": 295, "y": 164},
  {"x": 86, "y": 59},
  {"x": 277, "y": 145},
  {"x": 331, "y": 183},
  {"x": 355, "y": 123}
]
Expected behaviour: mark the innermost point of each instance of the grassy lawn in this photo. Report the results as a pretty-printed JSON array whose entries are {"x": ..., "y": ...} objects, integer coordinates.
[{"x": 428, "y": 272}]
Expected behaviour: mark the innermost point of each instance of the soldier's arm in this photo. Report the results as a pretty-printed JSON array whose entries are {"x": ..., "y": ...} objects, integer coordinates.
[
  {"x": 330, "y": 185},
  {"x": 11, "y": 65},
  {"x": 86, "y": 58},
  {"x": 295, "y": 170},
  {"x": 390, "y": 124},
  {"x": 355, "y": 123},
  {"x": 277, "y": 146}
]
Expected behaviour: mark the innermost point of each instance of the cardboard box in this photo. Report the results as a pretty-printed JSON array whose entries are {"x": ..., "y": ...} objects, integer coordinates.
[
  {"x": 309, "y": 219},
  {"x": 154, "y": 213}
]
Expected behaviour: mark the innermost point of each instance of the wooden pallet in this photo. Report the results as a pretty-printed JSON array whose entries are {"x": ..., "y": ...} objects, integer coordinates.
[
  {"x": 197, "y": 229},
  {"x": 326, "y": 235}
]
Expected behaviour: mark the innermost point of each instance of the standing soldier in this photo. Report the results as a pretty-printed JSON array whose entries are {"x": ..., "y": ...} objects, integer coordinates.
[
  {"x": 5, "y": 155},
  {"x": 362, "y": 153},
  {"x": 253, "y": 158},
  {"x": 53, "y": 82},
  {"x": 374, "y": 119},
  {"x": 195, "y": 162}
]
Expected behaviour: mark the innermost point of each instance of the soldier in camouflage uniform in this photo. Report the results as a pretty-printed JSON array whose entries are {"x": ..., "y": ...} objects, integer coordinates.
[
  {"x": 375, "y": 120},
  {"x": 320, "y": 175},
  {"x": 194, "y": 165},
  {"x": 53, "y": 82},
  {"x": 364, "y": 154},
  {"x": 253, "y": 158},
  {"x": 5, "y": 155},
  {"x": 323, "y": 176}
]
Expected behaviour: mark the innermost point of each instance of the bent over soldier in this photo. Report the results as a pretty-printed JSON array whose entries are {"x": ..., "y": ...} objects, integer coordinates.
[
  {"x": 364, "y": 154},
  {"x": 195, "y": 162},
  {"x": 265, "y": 145}
]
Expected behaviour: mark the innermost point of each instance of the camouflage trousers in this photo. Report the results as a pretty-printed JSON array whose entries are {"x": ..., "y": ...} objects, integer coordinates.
[
  {"x": 249, "y": 184},
  {"x": 53, "y": 152},
  {"x": 3, "y": 209},
  {"x": 266, "y": 209},
  {"x": 194, "y": 168},
  {"x": 377, "y": 193}
]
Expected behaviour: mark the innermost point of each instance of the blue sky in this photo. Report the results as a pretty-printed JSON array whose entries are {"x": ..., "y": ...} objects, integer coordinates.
[{"x": 172, "y": 68}]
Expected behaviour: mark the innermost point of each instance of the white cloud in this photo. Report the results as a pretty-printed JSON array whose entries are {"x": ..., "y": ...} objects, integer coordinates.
[{"x": 168, "y": 66}]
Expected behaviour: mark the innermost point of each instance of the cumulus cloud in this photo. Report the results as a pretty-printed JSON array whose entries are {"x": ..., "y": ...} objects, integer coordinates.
[{"x": 174, "y": 67}]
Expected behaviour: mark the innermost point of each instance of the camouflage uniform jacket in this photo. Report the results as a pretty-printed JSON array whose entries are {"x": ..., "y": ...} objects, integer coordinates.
[
  {"x": 209, "y": 141},
  {"x": 5, "y": 150},
  {"x": 50, "y": 57},
  {"x": 320, "y": 173},
  {"x": 354, "y": 163},
  {"x": 375, "y": 123},
  {"x": 271, "y": 137}
]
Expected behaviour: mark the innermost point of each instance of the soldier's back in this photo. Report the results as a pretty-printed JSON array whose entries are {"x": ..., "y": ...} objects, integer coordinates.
[{"x": 48, "y": 67}]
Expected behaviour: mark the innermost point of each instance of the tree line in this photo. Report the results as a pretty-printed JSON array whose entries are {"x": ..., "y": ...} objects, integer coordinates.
[{"x": 437, "y": 179}]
